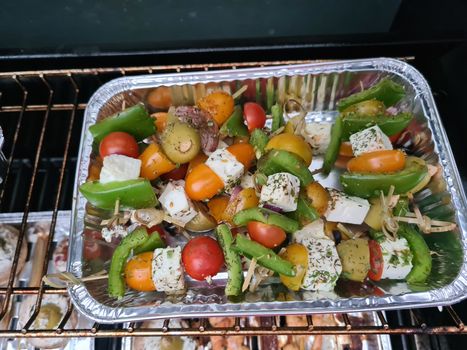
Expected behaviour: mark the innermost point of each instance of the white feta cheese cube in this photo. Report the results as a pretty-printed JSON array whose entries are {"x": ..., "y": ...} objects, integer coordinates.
[
  {"x": 281, "y": 190},
  {"x": 247, "y": 181},
  {"x": 167, "y": 271},
  {"x": 369, "y": 140},
  {"x": 397, "y": 259},
  {"x": 314, "y": 229},
  {"x": 324, "y": 265},
  {"x": 226, "y": 166},
  {"x": 318, "y": 136},
  {"x": 346, "y": 209},
  {"x": 176, "y": 203},
  {"x": 119, "y": 168}
]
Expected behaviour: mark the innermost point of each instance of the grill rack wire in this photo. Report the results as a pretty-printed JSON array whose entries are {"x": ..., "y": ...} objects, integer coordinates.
[{"x": 26, "y": 85}]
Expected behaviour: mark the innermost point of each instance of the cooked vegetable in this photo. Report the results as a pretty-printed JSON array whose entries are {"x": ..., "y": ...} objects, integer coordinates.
[
  {"x": 218, "y": 104},
  {"x": 370, "y": 185},
  {"x": 134, "y": 120},
  {"x": 254, "y": 116},
  {"x": 386, "y": 161},
  {"x": 265, "y": 216},
  {"x": 297, "y": 254},
  {"x": 232, "y": 261},
  {"x": 159, "y": 98},
  {"x": 132, "y": 194},
  {"x": 421, "y": 260},
  {"x": 355, "y": 257},
  {"x": 305, "y": 212},
  {"x": 386, "y": 91},
  {"x": 119, "y": 142},
  {"x": 138, "y": 272},
  {"x": 333, "y": 149},
  {"x": 389, "y": 124},
  {"x": 234, "y": 126},
  {"x": 217, "y": 207},
  {"x": 277, "y": 117},
  {"x": 318, "y": 196},
  {"x": 291, "y": 143},
  {"x": 202, "y": 257},
  {"x": 116, "y": 284},
  {"x": 277, "y": 161},
  {"x": 180, "y": 142},
  {"x": 264, "y": 256},
  {"x": 375, "y": 214},
  {"x": 160, "y": 120},
  {"x": 202, "y": 221},
  {"x": 259, "y": 140},
  {"x": 154, "y": 162},
  {"x": 245, "y": 199},
  {"x": 269, "y": 236}
]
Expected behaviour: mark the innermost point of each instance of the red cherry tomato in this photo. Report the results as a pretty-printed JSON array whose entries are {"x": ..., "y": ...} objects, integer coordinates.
[
  {"x": 268, "y": 235},
  {"x": 176, "y": 174},
  {"x": 202, "y": 257},
  {"x": 254, "y": 116},
  {"x": 119, "y": 143},
  {"x": 376, "y": 261},
  {"x": 92, "y": 247}
]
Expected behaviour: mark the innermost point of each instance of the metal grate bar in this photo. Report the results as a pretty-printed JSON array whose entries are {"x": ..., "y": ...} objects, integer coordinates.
[{"x": 77, "y": 79}]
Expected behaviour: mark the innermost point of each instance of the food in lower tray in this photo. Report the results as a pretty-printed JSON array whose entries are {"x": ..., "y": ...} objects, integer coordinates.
[
  {"x": 8, "y": 241},
  {"x": 247, "y": 191}
]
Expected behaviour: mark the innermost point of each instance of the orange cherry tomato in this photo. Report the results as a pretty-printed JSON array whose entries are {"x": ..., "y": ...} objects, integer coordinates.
[
  {"x": 219, "y": 104},
  {"x": 138, "y": 273},
  {"x": 346, "y": 149},
  {"x": 154, "y": 162},
  {"x": 385, "y": 161},
  {"x": 217, "y": 206},
  {"x": 160, "y": 120},
  {"x": 160, "y": 98},
  {"x": 202, "y": 183},
  {"x": 199, "y": 159},
  {"x": 244, "y": 152},
  {"x": 268, "y": 235}
]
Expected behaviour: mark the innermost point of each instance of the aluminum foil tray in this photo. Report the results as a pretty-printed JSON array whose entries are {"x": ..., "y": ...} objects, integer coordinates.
[{"x": 317, "y": 87}]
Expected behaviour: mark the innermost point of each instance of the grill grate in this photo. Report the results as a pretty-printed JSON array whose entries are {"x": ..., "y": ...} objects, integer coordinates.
[{"x": 53, "y": 103}]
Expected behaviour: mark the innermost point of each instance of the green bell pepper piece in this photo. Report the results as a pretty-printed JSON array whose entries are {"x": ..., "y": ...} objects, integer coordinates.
[
  {"x": 277, "y": 117},
  {"x": 265, "y": 216},
  {"x": 232, "y": 261},
  {"x": 259, "y": 140},
  {"x": 116, "y": 284},
  {"x": 278, "y": 161},
  {"x": 264, "y": 256},
  {"x": 134, "y": 120},
  {"x": 234, "y": 125},
  {"x": 132, "y": 194},
  {"x": 152, "y": 242},
  {"x": 305, "y": 212},
  {"x": 370, "y": 185},
  {"x": 390, "y": 125},
  {"x": 421, "y": 260},
  {"x": 386, "y": 91},
  {"x": 333, "y": 149}
]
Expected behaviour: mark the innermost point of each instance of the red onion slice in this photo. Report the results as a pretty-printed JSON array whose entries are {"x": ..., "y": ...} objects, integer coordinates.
[{"x": 273, "y": 208}]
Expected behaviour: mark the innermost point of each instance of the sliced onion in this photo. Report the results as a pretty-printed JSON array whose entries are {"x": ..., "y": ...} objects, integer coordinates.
[
  {"x": 391, "y": 110},
  {"x": 273, "y": 208},
  {"x": 235, "y": 192}
]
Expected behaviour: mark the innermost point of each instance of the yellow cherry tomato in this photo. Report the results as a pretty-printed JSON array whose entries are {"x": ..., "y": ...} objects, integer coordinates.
[
  {"x": 318, "y": 196},
  {"x": 297, "y": 254},
  {"x": 292, "y": 143}
]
